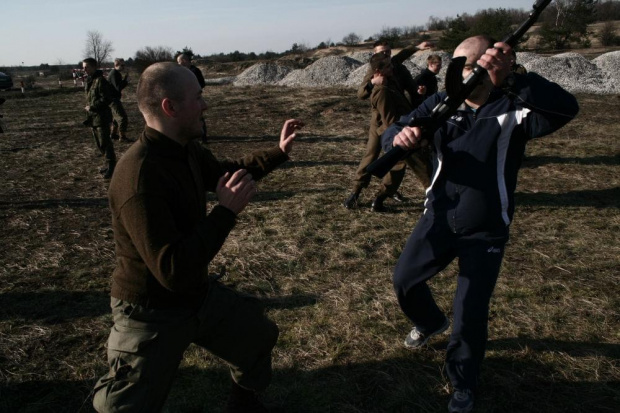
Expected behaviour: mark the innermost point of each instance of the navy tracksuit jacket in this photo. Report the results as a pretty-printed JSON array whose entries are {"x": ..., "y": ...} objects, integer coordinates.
[{"x": 469, "y": 208}]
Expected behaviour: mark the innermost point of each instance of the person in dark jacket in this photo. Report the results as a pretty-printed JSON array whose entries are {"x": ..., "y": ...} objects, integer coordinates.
[
  {"x": 470, "y": 203},
  {"x": 426, "y": 82},
  {"x": 185, "y": 60},
  {"x": 162, "y": 297},
  {"x": 99, "y": 96},
  {"x": 118, "y": 81}
]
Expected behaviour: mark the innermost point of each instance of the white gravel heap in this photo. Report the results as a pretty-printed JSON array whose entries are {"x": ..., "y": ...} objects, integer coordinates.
[
  {"x": 609, "y": 63},
  {"x": 363, "y": 57},
  {"x": 573, "y": 72},
  {"x": 262, "y": 74},
  {"x": 570, "y": 70},
  {"x": 328, "y": 71},
  {"x": 356, "y": 77}
]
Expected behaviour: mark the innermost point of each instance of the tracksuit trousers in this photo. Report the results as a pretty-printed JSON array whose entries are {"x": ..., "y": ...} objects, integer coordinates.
[{"x": 429, "y": 249}]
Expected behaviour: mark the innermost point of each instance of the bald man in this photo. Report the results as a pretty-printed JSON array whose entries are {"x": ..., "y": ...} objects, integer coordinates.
[
  {"x": 162, "y": 298},
  {"x": 470, "y": 203}
]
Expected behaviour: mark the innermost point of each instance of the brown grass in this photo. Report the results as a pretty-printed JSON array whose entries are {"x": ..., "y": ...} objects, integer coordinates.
[{"x": 324, "y": 272}]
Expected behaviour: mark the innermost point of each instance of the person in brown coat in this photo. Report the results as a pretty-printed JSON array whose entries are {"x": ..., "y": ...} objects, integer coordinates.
[
  {"x": 388, "y": 104},
  {"x": 162, "y": 298}
]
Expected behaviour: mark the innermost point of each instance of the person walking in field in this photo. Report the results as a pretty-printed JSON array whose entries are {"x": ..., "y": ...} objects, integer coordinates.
[
  {"x": 99, "y": 96},
  {"x": 470, "y": 202},
  {"x": 118, "y": 81},
  {"x": 162, "y": 298}
]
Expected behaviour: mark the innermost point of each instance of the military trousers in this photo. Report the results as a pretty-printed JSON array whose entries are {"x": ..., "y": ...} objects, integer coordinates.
[
  {"x": 146, "y": 345},
  {"x": 120, "y": 118},
  {"x": 419, "y": 162}
]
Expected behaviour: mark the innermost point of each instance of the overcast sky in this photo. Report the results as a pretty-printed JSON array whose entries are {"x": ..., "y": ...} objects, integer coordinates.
[{"x": 54, "y": 31}]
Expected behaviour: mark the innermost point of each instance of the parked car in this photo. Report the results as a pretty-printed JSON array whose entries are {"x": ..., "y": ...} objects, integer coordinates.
[{"x": 6, "y": 82}]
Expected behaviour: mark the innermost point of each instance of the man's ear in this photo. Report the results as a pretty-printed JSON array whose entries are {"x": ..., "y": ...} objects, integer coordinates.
[{"x": 167, "y": 106}]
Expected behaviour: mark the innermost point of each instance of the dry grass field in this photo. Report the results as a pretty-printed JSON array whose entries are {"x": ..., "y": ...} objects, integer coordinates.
[{"x": 323, "y": 272}]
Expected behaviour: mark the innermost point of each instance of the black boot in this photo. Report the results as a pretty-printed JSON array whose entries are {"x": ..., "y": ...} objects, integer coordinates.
[
  {"x": 351, "y": 201},
  {"x": 244, "y": 401},
  {"x": 377, "y": 204},
  {"x": 107, "y": 173}
]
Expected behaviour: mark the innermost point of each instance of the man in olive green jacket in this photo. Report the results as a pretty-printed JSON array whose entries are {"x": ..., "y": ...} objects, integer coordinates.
[
  {"x": 99, "y": 96},
  {"x": 162, "y": 297}
]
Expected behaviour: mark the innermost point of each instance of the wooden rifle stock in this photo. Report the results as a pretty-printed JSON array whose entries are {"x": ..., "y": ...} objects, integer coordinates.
[{"x": 457, "y": 92}]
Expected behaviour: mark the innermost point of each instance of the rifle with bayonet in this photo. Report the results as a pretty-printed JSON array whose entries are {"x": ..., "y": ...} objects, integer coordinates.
[{"x": 457, "y": 91}]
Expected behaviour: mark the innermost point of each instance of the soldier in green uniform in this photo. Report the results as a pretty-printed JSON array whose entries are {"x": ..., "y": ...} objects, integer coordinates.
[
  {"x": 99, "y": 96},
  {"x": 118, "y": 83}
]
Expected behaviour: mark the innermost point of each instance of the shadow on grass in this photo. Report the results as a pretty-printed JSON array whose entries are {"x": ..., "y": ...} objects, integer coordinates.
[
  {"x": 56, "y": 203},
  {"x": 603, "y": 198},
  {"x": 410, "y": 382},
  {"x": 536, "y": 161},
  {"x": 53, "y": 307}
]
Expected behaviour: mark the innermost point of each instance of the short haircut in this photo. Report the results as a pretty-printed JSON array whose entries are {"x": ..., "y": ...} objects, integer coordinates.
[
  {"x": 90, "y": 61},
  {"x": 379, "y": 61},
  {"x": 118, "y": 61},
  {"x": 380, "y": 42},
  {"x": 433, "y": 59},
  {"x": 185, "y": 56},
  {"x": 158, "y": 81}
]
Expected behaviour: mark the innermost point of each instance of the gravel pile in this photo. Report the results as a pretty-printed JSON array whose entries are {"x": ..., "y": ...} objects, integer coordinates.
[
  {"x": 363, "y": 57},
  {"x": 262, "y": 74},
  {"x": 526, "y": 57},
  {"x": 609, "y": 64},
  {"x": 328, "y": 71},
  {"x": 573, "y": 72},
  {"x": 357, "y": 76},
  {"x": 570, "y": 70}
]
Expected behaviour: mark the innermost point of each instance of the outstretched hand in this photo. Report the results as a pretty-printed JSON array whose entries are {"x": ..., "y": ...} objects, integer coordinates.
[
  {"x": 234, "y": 191},
  {"x": 425, "y": 46},
  {"x": 288, "y": 134}
]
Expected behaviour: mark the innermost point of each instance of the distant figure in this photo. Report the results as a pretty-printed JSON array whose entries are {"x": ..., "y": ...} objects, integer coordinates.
[
  {"x": 162, "y": 297},
  {"x": 99, "y": 96},
  {"x": 426, "y": 82},
  {"x": 118, "y": 83},
  {"x": 185, "y": 60}
]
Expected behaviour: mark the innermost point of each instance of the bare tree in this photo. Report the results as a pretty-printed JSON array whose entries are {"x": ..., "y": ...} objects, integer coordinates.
[
  {"x": 351, "y": 39},
  {"x": 149, "y": 55},
  {"x": 97, "y": 48}
]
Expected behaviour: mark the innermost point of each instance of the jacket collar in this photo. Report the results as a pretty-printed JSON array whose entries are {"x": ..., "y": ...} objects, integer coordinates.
[{"x": 162, "y": 145}]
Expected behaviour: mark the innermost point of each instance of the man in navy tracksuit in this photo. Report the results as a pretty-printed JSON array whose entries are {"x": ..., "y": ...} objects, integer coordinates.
[{"x": 470, "y": 203}]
